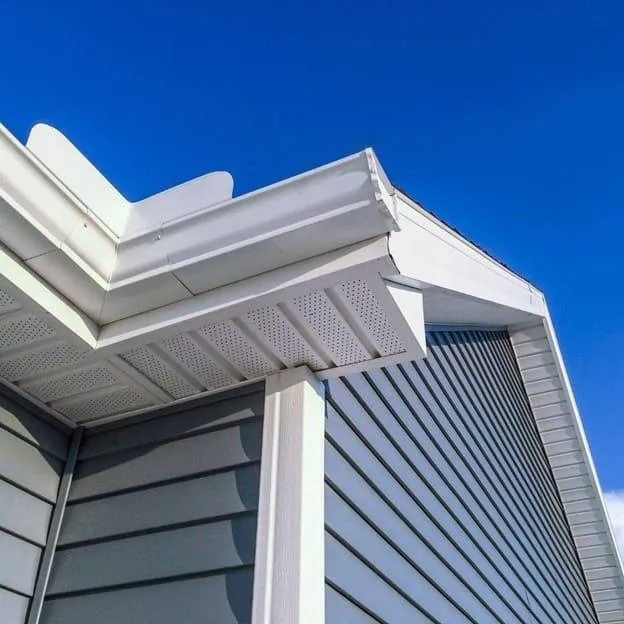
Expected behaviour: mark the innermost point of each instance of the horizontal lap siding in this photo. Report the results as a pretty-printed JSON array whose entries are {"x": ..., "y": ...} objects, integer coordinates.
[
  {"x": 579, "y": 493},
  {"x": 32, "y": 456},
  {"x": 440, "y": 505},
  {"x": 161, "y": 520}
]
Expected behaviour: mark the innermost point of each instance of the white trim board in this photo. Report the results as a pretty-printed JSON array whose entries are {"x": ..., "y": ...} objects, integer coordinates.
[
  {"x": 556, "y": 414},
  {"x": 289, "y": 576}
]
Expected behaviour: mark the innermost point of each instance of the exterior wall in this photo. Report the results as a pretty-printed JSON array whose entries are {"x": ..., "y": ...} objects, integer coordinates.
[
  {"x": 32, "y": 457},
  {"x": 440, "y": 504},
  {"x": 161, "y": 521},
  {"x": 562, "y": 433}
]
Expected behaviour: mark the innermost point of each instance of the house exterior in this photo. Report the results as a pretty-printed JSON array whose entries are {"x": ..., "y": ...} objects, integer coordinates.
[{"x": 312, "y": 403}]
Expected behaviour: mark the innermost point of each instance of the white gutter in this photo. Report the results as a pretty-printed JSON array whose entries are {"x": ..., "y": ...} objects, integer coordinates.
[{"x": 111, "y": 275}]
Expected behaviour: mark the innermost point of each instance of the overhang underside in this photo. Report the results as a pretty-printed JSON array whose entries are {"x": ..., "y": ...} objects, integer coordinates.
[
  {"x": 332, "y": 329},
  {"x": 342, "y": 323}
]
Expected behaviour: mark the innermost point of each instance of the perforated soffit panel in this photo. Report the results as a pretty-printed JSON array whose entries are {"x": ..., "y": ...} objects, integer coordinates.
[{"x": 328, "y": 329}]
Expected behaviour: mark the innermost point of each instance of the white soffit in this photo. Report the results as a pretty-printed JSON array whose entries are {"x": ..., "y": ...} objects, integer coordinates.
[
  {"x": 331, "y": 323},
  {"x": 116, "y": 308}
]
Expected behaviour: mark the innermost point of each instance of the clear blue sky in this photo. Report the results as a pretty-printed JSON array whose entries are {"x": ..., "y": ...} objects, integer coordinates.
[{"x": 505, "y": 118}]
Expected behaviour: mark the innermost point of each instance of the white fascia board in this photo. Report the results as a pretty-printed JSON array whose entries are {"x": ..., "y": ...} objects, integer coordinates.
[
  {"x": 409, "y": 303},
  {"x": 558, "y": 420},
  {"x": 368, "y": 258},
  {"x": 430, "y": 254},
  {"x": 289, "y": 573}
]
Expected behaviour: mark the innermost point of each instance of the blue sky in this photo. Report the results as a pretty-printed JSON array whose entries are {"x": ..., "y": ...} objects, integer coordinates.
[{"x": 506, "y": 119}]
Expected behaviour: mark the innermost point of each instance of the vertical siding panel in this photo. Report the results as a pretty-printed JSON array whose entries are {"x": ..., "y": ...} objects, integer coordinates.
[
  {"x": 419, "y": 499},
  {"x": 502, "y": 354},
  {"x": 501, "y": 521},
  {"x": 527, "y": 435},
  {"x": 435, "y": 471}
]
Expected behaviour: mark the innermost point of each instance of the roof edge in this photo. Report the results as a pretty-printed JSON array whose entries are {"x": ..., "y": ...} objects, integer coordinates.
[
  {"x": 193, "y": 247},
  {"x": 430, "y": 254}
]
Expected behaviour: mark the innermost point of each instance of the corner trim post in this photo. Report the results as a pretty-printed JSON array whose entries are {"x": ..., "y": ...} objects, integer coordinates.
[{"x": 289, "y": 579}]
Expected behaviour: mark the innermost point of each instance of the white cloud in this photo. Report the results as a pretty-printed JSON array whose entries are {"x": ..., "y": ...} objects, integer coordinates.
[{"x": 615, "y": 507}]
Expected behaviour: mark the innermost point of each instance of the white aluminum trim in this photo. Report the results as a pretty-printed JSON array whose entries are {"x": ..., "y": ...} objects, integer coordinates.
[
  {"x": 289, "y": 575},
  {"x": 563, "y": 436},
  {"x": 360, "y": 260},
  {"x": 429, "y": 255},
  {"x": 333, "y": 206},
  {"x": 407, "y": 316},
  {"x": 449, "y": 234},
  {"x": 37, "y": 297}
]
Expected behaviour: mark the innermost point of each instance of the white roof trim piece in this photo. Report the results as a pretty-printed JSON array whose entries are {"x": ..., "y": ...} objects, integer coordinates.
[
  {"x": 558, "y": 420},
  {"x": 428, "y": 254},
  {"x": 109, "y": 308},
  {"x": 114, "y": 259}
]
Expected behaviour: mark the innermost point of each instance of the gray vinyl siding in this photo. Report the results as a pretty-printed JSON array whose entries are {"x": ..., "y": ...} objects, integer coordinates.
[
  {"x": 440, "y": 504},
  {"x": 160, "y": 526},
  {"x": 32, "y": 457}
]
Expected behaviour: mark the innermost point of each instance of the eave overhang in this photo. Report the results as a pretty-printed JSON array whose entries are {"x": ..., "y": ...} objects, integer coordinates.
[
  {"x": 112, "y": 307},
  {"x": 157, "y": 300}
]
